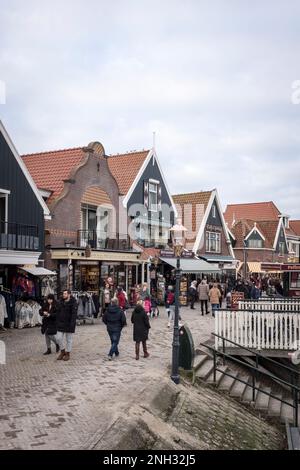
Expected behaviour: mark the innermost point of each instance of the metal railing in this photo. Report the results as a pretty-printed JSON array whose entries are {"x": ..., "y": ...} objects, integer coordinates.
[
  {"x": 14, "y": 236},
  {"x": 103, "y": 240},
  {"x": 259, "y": 329},
  {"x": 278, "y": 305},
  {"x": 255, "y": 370}
]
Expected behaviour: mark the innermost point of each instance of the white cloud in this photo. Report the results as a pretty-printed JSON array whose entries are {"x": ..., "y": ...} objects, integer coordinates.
[{"x": 214, "y": 81}]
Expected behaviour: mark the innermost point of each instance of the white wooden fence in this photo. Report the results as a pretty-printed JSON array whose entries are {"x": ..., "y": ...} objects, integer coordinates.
[
  {"x": 270, "y": 305},
  {"x": 258, "y": 330}
]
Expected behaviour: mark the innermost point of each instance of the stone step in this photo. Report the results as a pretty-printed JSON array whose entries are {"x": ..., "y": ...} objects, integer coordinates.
[
  {"x": 227, "y": 382},
  {"x": 275, "y": 405},
  {"x": 238, "y": 388},
  {"x": 205, "y": 369},
  {"x": 262, "y": 400},
  {"x": 247, "y": 395},
  {"x": 199, "y": 360},
  {"x": 219, "y": 375}
]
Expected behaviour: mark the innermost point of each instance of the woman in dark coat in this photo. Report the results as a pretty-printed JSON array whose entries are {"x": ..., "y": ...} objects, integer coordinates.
[
  {"x": 49, "y": 328},
  {"x": 141, "y": 326}
]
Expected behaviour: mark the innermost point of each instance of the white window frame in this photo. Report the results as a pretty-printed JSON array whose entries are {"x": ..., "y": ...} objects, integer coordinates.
[
  {"x": 214, "y": 211},
  {"x": 255, "y": 240},
  {"x": 281, "y": 244},
  {"x": 153, "y": 183},
  {"x": 218, "y": 241},
  {"x": 4, "y": 193}
]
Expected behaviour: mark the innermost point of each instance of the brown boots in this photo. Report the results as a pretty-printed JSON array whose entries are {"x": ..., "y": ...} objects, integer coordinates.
[
  {"x": 66, "y": 356},
  {"x": 61, "y": 355},
  {"x": 137, "y": 350},
  {"x": 146, "y": 354}
]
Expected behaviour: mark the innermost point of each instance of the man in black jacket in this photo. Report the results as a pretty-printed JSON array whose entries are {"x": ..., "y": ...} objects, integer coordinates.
[
  {"x": 66, "y": 324},
  {"x": 114, "y": 319}
]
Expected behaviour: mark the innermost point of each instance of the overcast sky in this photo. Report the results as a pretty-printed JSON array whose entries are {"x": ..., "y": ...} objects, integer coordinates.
[{"x": 212, "y": 78}]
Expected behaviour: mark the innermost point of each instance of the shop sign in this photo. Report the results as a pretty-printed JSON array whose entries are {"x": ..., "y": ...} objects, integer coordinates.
[
  {"x": 87, "y": 263},
  {"x": 271, "y": 267},
  {"x": 187, "y": 254},
  {"x": 221, "y": 265},
  {"x": 213, "y": 228},
  {"x": 166, "y": 253},
  {"x": 290, "y": 267}
]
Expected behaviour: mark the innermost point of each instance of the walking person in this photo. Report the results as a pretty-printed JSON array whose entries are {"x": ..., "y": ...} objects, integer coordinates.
[
  {"x": 115, "y": 320},
  {"x": 66, "y": 324},
  {"x": 49, "y": 328},
  {"x": 170, "y": 304},
  {"x": 106, "y": 297},
  {"x": 203, "y": 294},
  {"x": 214, "y": 297},
  {"x": 141, "y": 327},
  {"x": 193, "y": 294},
  {"x": 121, "y": 297}
]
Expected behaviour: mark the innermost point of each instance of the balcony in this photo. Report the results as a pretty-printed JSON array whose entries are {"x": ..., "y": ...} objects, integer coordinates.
[
  {"x": 160, "y": 243},
  {"x": 21, "y": 237},
  {"x": 103, "y": 241}
]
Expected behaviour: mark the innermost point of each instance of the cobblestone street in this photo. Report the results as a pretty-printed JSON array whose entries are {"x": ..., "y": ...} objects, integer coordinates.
[{"x": 45, "y": 404}]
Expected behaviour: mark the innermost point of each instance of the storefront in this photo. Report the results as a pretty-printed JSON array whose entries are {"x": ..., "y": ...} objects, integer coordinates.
[
  {"x": 291, "y": 279},
  {"x": 192, "y": 269},
  {"x": 82, "y": 271}
]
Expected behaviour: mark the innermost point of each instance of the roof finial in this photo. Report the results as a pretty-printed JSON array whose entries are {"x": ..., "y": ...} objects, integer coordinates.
[{"x": 154, "y": 139}]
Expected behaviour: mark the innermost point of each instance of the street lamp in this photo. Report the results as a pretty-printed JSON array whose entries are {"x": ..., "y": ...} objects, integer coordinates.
[{"x": 178, "y": 242}]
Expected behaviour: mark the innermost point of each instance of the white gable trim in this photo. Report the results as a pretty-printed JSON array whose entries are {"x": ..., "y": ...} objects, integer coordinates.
[
  {"x": 280, "y": 226},
  {"x": 151, "y": 154},
  {"x": 255, "y": 229},
  {"x": 25, "y": 171},
  {"x": 230, "y": 233},
  {"x": 214, "y": 196}
]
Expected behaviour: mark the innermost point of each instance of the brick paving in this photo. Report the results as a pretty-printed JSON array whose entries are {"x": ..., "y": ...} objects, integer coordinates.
[{"x": 49, "y": 404}]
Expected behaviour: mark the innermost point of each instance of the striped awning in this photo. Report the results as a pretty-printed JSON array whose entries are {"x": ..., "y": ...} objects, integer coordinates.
[{"x": 254, "y": 267}]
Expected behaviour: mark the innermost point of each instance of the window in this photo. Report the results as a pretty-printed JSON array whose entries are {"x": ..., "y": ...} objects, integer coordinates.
[
  {"x": 255, "y": 243},
  {"x": 281, "y": 248},
  {"x": 3, "y": 212},
  {"x": 153, "y": 197},
  {"x": 213, "y": 242},
  {"x": 89, "y": 217},
  {"x": 295, "y": 281},
  {"x": 281, "y": 233},
  {"x": 214, "y": 211}
]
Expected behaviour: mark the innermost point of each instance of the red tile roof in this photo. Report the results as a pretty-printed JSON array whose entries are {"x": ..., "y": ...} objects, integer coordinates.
[
  {"x": 50, "y": 169},
  {"x": 295, "y": 226},
  {"x": 268, "y": 228},
  {"x": 125, "y": 168},
  {"x": 193, "y": 207},
  {"x": 253, "y": 211}
]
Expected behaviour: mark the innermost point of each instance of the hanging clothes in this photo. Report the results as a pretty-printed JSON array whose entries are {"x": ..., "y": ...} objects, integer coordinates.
[
  {"x": 86, "y": 307},
  {"x": 3, "y": 310},
  {"x": 27, "y": 314}
]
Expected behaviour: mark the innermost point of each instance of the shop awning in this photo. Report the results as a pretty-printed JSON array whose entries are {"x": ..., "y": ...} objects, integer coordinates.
[
  {"x": 218, "y": 258},
  {"x": 192, "y": 265},
  {"x": 254, "y": 267},
  {"x": 38, "y": 271}
]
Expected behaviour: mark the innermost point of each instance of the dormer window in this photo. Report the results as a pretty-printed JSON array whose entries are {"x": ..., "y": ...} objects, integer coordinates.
[
  {"x": 214, "y": 211},
  {"x": 255, "y": 243}
]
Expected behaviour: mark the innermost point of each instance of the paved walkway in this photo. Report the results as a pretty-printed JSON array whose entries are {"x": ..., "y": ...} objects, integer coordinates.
[{"x": 49, "y": 404}]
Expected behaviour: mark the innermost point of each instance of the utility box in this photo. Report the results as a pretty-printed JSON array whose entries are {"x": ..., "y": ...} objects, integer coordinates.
[{"x": 186, "y": 348}]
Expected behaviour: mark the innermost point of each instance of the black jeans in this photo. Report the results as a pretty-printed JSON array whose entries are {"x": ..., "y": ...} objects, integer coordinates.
[
  {"x": 193, "y": 300},
  {"x": 204, "y": 302}
]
